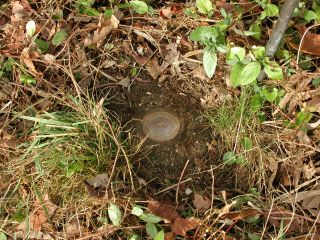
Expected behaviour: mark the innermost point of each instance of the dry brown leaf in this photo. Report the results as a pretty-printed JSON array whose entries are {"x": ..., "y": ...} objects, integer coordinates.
[
  {"x": 309, "y": 170},
  {"x": 163, "y": 210},
  {"x": 75, "y": 230},
  {"x": 171, "y": 57},
  {"x": 20, "y": 11},
  {"x": 181, "y": 225},
  {"x": 170, "y": 11},
  {"x": 41, "y": 213},
  {"x": 153, "y": 68},
  {"x": 303, "y": 138},
  {"x": 103, "y": 29},
  {"x": 241, "y": 215},
  {"x": 99, "y": 180},
  {"x": 311, "y": 199},
  {"x": 201, "y": 203},
  {"x": 125, "y": 82},
  {"x": 7, "y": 141},
  {"x": 200, "y": 73},
  {"x": 279, "y": 215},
  {"x": 169, "y": 236},
  {"x": 311, "y": 42},
  {"x": 95, "y": 192},
  {"x": 107, "y": 63},
  {"x": 146, "y": 36},
  {"x": 26, "y": 59}
]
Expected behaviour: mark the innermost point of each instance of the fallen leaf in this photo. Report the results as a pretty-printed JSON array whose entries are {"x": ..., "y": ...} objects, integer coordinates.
[
  {"x": 171, "y": 57},
  {"x": 93, "y": 192},
  {"x": 125, "y": 82},
  {"x": 74, "y": 229},
  {"x": 310, "y": 43},
  {"x": 7, "y": 141},
  {"x": 146, "y": 36},
  {"x": 169, "y": 236},
  {"x": 99, "y": 180},
  {"x": 163, "y": 210},
  {"x": 181, "y": 225},
  {"x": 153, "y": 68},
  {"x": 311, "y": 199},
  {"x": 103, "y": 29},
  {"x": 279, "y": 217},
  {"x": 36, "y": 235},
  {"x": 20, "y": 9},
  {"x": 42, "y": 211},
  {"x": 49, "y": 58},
  {"x": 201, "y": 203},
  {"x": 107, "y": 63},
  {"x": 309, "y": 170},
  {"x": 200, "y": 73},
  {"x": 241, "y": 215},
  {"x": 26, "y": 59},
  {"x": 170, "y": 11}
]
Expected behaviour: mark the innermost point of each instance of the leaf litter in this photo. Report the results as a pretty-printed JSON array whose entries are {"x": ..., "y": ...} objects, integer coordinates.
[{"x": 162, "y": 61}]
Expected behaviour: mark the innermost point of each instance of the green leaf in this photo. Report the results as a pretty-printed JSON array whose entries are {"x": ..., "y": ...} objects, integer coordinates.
[
  {"x": 57, "y": 14},
  {"x": 229, "y": 157},
  {"x": 309, "y": 16},
  {"x": 27, "y": 79},
  {"x": 139, "y": 6},
  {"x": 236, "y": 54},
  {"x": 91, "y": 11},
  {"x": 223, "y": 13},
  {"x": 256, "y": 102},
  {"x": 273, "y": 71},
  {"x": 301, "y": 119},
  {"x": 42, "y": 45},
  {"x": 108, "y": 13},
  {"x": 259, "y": 52},
  {"x": 253, "y": 236},
  {"x": 256, "y": 29},
  {"x": 269, "y": 96},
  {"x": 210, "y": 60},
  {"x": 317, "y": 11},
  {"x": 114, "y": 214},
  {"x": 241, "y": 160},
  {"x": 31, "y": 28},
  {"x": 316, "y": 82},
  {"x": 235, "y": 74},
  {"x": 246, "y": 143},
  {"x": 204, "y": 6},
  {"x": 3, "y": 236},
  {"x": 159, "y": 236},
  {"x": 137, "y": 211},
  {"x": 271, "y": 10},
  {"x": 151, "y": 230},
  {"x": 135, "y": 237},
  {"x": 202, "y": 34},
  {"x": 59, "y": 37},
  {"x": 222, "y": 48},
  {"x": 250, "y": 73},
  {"x": 150, "y": 218},
  {"x": 102, "y": 220}
]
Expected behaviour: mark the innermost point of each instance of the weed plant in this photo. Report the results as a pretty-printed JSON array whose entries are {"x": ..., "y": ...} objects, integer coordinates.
[{"x": 65, "y": 148}]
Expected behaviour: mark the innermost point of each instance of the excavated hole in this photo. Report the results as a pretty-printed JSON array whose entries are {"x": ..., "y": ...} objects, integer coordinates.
[{"x": 174, "y": 129}]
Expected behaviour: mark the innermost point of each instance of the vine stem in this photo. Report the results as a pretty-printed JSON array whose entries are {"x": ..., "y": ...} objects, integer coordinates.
[{"x": 279, "y": 30}]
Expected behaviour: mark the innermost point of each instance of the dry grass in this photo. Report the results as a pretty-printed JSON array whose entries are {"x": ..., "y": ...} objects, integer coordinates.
[{"x": 59, "y": 132}]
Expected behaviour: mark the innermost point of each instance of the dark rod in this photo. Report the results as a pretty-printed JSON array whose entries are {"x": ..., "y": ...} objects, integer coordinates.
[{"x": 280, "y": 27}]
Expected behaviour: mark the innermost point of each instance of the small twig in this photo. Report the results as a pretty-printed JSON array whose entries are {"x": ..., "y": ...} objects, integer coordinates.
[
  {"x": 212, "y": 189},
  {"x": 174, "y": 185},
  {"x": 181, "y": 175},
  {"x": 301, "y": 41}
]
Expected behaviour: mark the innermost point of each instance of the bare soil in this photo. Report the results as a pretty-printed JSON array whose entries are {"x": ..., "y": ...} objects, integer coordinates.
[{"x": 165, "y": 161}]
